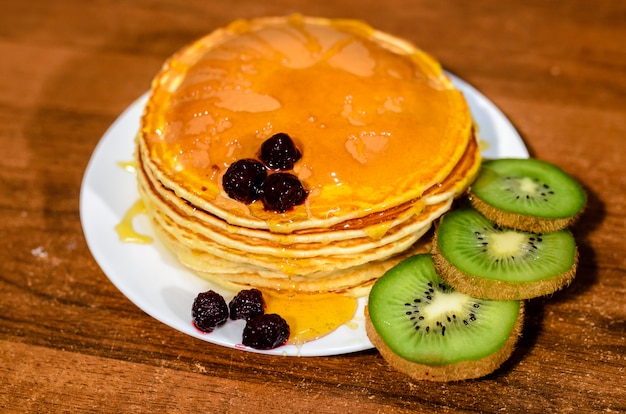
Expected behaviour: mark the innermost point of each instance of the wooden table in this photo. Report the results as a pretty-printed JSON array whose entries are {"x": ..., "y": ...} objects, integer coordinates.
[{"x": 71, "y": 342}]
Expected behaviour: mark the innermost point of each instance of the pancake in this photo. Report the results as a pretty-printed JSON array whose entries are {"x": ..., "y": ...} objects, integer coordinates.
[
  {"x": 386, "y": 142},
  {"x": 353, "y": 281},
  {"x": 218, "y": 99}
]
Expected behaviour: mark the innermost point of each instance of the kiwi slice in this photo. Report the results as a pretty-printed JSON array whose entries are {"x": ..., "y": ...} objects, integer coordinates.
[
  {"x": 527, "y": 194},
  {"x": 426, "y": 329},
  {"x": 479, "y": 258}
]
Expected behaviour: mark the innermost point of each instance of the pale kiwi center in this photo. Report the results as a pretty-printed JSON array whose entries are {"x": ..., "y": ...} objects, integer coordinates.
[
  {"x": 446, "y": 304},
  {"x": 507, "y": 243},
  {"x": 528, "y": 185}
]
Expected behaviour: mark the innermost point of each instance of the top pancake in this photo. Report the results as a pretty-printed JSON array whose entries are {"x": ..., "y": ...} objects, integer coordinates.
[{"x": 376, "y": 120}]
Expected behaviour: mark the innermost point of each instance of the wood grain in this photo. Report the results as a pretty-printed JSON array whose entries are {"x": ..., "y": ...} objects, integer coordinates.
[{"x": 71, "y": 342}]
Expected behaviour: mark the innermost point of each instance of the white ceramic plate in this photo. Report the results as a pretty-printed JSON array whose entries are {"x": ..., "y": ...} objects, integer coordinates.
[{"x": 150, "y": 276}]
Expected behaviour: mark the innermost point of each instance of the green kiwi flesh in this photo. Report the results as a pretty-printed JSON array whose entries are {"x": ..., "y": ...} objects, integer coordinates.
[
  {"x": 527, "y": 194},
  {"x": 479, "y": 258},
  {"x": 428, "y": 330}
]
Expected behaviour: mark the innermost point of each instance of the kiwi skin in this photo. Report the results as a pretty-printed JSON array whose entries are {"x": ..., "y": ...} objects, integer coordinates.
[
  {"x": 520, "y": 221},
  {"x": 459, "y": 371},
  {"x": 479, "y": 287}
]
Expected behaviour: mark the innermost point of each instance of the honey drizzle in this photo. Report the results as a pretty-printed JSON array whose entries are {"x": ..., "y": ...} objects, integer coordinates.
[
  {"x": 125, "y": 230},
  {"x": 128, "y": 166},
  {"x": 310, "y": 316}
]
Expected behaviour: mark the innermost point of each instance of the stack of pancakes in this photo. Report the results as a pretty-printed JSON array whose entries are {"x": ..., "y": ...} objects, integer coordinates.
[{"x": 387, "y": 143}]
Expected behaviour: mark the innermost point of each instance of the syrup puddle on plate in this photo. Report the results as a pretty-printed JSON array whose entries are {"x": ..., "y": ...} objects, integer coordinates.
[
  {"x": 125, "y": 229},
  {"x": 310, "y": 316}
]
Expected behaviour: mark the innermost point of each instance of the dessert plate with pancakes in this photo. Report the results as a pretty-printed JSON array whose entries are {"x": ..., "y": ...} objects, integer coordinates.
[{"x": 386, "y": 139}]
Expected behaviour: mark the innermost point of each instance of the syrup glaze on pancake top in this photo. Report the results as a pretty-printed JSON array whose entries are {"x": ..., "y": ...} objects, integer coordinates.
[
  {"x": 377, "y": 121},
  {"x": 386, "y": 144}
]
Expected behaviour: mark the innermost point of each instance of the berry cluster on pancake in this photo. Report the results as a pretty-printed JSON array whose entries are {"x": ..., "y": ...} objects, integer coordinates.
[{"x": 385, "y": 141}]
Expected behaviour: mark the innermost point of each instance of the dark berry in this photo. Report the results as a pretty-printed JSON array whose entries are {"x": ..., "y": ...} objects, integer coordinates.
[
  {"x": 279, "y": 152},
  {"x": 243, "y": 180},
  {"x": 209, "y": 310},
  {"x": 282, "y": 191},
  {"x": 265, "y": 332},
  {"x": 247, "y": 304}
]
